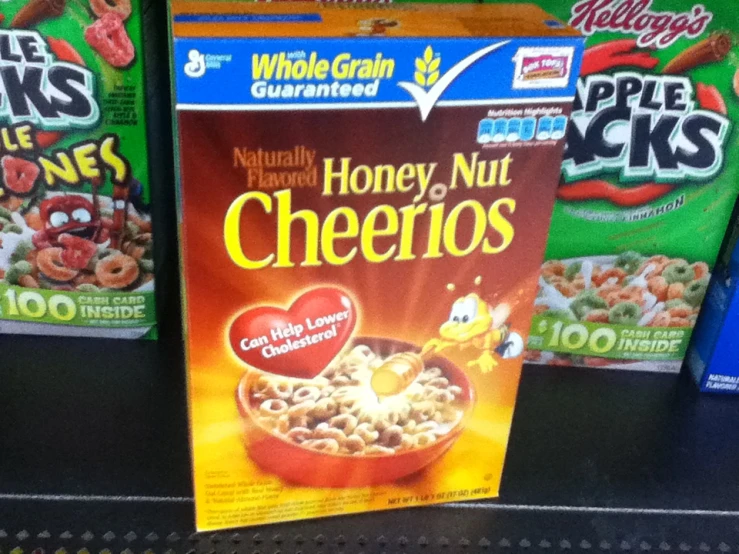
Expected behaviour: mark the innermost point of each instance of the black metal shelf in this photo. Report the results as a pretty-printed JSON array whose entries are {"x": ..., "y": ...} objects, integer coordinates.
[{"x": 94, "y": 455}]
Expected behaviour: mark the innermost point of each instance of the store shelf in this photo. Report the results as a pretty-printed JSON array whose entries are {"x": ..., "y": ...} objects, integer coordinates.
[
  {"x": 94, "y": 455},
  {"x": 94, "y": 450}
]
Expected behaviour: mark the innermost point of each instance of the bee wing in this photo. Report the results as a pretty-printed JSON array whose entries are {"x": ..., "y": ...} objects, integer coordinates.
[{"x": 500, "y": 314}]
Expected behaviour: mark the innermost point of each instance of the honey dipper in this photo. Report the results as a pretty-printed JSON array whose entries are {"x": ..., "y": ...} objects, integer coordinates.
[{"x": 397, "y": 372}]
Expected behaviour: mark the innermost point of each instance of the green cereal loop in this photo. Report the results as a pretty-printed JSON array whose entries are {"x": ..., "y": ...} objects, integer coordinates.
[
  {"x": 5, "y": 213},
  {"x": 560, "y": 314},
  {"x": 21, "y": 251},
  {"x": 695, "y": 292},
  {"x": 23, "y": 266},
  {"x": 573, "y": 270},
  {"x": 693, "y": 318},
  {"x": 5, "y": 221},
  {"x": 676, "y": 303},
  {"x": 146, "y": 265},
  {"x": 87, "y": 287},
  {"x": 629, "y": 261},
  {"x": 13, "y": 228},
  {"x": 678, "y": 273},
  {"x": 625, "y": 313},
  {"x": 587, "y": 301},
  {"x": 18, "y": 270}
]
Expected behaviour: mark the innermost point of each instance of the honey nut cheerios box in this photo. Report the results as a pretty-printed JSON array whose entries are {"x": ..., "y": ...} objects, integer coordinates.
[
  {"x": 76, "y": 246},
  {"x": 359, "y": 250}
]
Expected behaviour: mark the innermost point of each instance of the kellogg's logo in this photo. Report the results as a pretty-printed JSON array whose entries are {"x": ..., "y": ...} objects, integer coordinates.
[{"x": 635, "y": 17}]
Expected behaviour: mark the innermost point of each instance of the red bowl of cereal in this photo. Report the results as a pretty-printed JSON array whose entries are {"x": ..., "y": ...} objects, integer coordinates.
[{"x": 333, "y": 431}]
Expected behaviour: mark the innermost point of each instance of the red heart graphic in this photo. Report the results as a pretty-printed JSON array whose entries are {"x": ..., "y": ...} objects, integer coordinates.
[{"x": 298, "y": 342}]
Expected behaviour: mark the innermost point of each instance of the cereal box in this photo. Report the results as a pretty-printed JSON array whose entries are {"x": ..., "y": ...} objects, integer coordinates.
[
  {"x": 713, "y": 356},
  {"x": 648, "y": 183},
  {"x": 75, "y": 230},
  {"x": 364, "y": 206}
]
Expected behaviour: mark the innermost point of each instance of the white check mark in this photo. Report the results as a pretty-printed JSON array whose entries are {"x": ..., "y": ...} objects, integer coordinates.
[{"x": 427, "y": 99}]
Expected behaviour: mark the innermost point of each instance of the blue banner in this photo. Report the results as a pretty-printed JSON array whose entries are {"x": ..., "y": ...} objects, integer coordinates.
[{"x": 424, "y": 71}]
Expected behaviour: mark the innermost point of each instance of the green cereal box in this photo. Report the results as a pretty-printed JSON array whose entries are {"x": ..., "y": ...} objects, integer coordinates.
[
  {"x": 75, "y": 226},
  {"x": 649, "y": 179}
]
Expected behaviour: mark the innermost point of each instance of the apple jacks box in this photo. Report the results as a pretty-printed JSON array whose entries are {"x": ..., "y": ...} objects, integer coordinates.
[
  {"x": 75, "y": 230},
  {"x": 648, "y": 183}
]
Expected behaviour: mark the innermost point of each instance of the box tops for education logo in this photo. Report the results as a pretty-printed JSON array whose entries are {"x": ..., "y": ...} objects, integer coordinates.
[{"x": 542, "y": 67}]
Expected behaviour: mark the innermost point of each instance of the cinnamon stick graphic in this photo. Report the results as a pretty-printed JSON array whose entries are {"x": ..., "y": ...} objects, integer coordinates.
[
  {"x": 710, "y": 50},
  {"x": 36, "y": 11}
]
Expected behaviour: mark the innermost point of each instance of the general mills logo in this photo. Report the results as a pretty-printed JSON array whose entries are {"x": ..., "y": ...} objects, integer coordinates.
[{"x": 195, "y": 67}]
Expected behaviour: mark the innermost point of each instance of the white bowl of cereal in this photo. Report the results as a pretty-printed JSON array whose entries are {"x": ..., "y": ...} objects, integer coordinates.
[{"x": 333, "y": 431}]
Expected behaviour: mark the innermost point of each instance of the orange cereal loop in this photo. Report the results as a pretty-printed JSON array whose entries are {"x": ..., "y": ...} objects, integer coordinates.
[
  {"x": 552, "y": 268},
  {"x": 50, "y": 264},
  {"x": 143, "y": 225},
  {"x": 700, "y": 269},
  {"x": 117, "y": 271},
  {"x": 616, "y": 272},
  {"x": 680, "y": 322},
  {"x": 681, "y": 311},
  {"x": 629, "y": 294},
  {"x": 675, "y": 290},
  {"x": 28, "y": 281},
  {"x": 606, "y": 290},
  {"x": 658, "y": 287},
  {"x": 566, "y": 289},
  {"x": 12, "y": 203},
  {"x": 120, "y": 7},
  {"x": 33, "y": 220},
  {"x": 662, "y": 319}
]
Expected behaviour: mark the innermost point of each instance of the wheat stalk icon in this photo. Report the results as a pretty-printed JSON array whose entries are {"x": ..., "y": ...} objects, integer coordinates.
[{"x": 427, "y": 68}]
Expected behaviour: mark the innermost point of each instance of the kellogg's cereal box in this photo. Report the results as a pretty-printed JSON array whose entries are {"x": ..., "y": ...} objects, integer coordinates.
[
  {"x": 364, "y": 205},
  {"x": 75, "y": 230},
  {"x": 648, "y": 183}
]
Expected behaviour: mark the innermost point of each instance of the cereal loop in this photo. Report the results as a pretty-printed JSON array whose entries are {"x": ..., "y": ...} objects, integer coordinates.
[
  {"x": 117, "y": 272},
  {"x": 675, "y": 290},
  {"x": 273, "y": 407},
  {"x": 304, "y": 394},
  {"x": 120, "y": 7},
  {"x": 392, "y": 436},
  {"x": 299, "y": 434},
  {"x": 50, "y": 263},
  {"x": 328, "y": 446},
  {"x": 345, "y": 422},
  {"x": 424, "y": 439}
]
